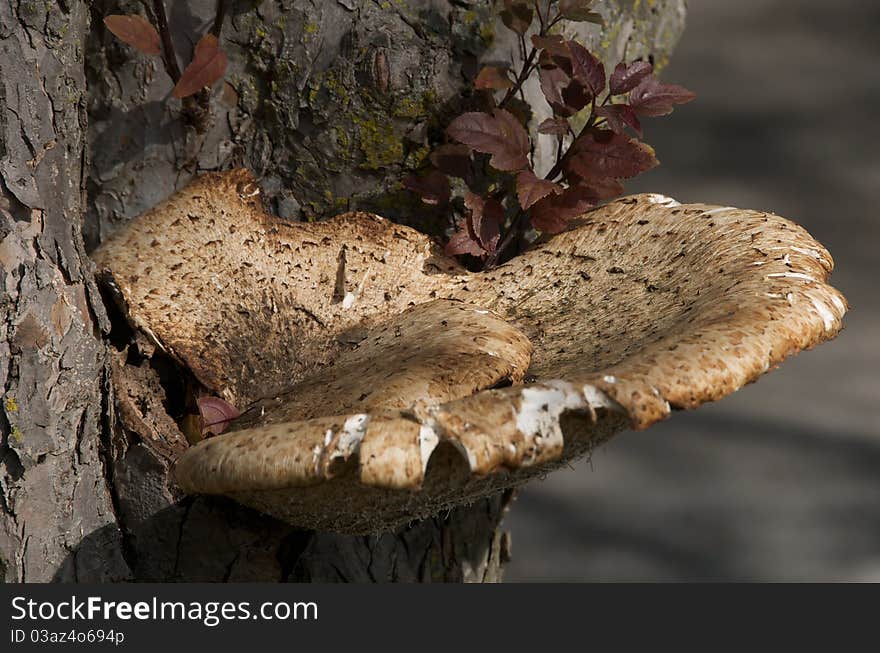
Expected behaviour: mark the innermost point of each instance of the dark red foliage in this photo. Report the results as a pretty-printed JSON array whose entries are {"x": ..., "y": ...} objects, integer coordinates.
[
  {"x": 554, "y": 45},
  {"x": 553, "y": 81},
  {"x": 586, "y": 68},
  {"x": 553, "y": 213},
  {"x": 557, "y": 126},
  {"x": 605, "y": 188},
  {"x": 485, "y": 217},
  {"x": 651, "y": 98},
  {"x": 493, "y": 78},
  {"x": 517, "y": 15},
  {"x": 463, "y": 242},
  {"x": 433, "y": 188},
  {"x": 530, "y": 188},
  {"x": 208, "y": 65},
  {"x": 589, "y": 164},
  {"x": 216, "y": 414},
  {"x": 602, "y": 154},
  {"x": 500, "y": 135},
  {"x": 136, "y": 31},
  {"x": 627, "y": 76},
  {"x": 479, "y": 232},
  {"x": 454, "y": 160},
  {"x": 620, "y": 116}
]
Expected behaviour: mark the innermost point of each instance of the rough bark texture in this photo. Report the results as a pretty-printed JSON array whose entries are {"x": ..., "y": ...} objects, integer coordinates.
[
  {"x": 54, "y": 489},
  {"x": 329, "y": 102}
]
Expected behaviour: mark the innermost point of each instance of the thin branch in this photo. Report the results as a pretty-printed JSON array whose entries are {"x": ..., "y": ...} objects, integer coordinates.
[
  {"x": 170, "y": 57},
  {"x": 536, "y": 4},
  {"x": 521, "y": 78},
  {"x": 591, "y": 122},
  {"x": 222, "y": 6},
  {"x": 514, "y": 231}
]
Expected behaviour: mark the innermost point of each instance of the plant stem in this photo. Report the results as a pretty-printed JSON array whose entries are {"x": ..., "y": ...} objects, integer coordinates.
[
  {"x": 169, "y": 56},
  {"x": 517, "y": 225},
  {"x": 217, "y": 27},
  {"x": 515, "y": 229},
  {"x": 537, "y": 7},
  {"x": 520, "y": 79},
  {"x": 557, "y": 168}
]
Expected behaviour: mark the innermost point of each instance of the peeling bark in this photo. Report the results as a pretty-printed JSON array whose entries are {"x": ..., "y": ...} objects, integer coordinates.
[{"x": 330, "y": 102}]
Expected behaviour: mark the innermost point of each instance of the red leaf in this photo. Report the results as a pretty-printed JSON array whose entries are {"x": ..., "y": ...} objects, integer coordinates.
[
  {"x": 452, "y": 159},
  {"x": 500, "y": 135},
  {"x": 553, "y": 82},
  {"x": 605, "y": 189},
  {"x": 620, "y": 116},
  {"x": 530, "y": 188},
  {"x": 579, "y": 11},
  {"x": 208, "y": 65},
  {"x": 557, "y": 126},
  {"x": 586, "y": 68},
  {"x": 216, "y": 414},
  {"x": 576, "y": 96},
  {"x": 136, "y": 31},
  {"x": 493, "y": 78},
  {"x": 517, "y": 15},
  {"x": 553, "y": 44},
  {"x": 485, "y": 220},
  {"x": 552, "y": 214},
  {"x": 603, "y": 153},
  {"x": 433, "y": 188},
  {"x": 463, "y": 242},
  {"x": 479, "y": 232},
  {"x": 626, "y": 77},
  {"x": 651, "y": 98}
]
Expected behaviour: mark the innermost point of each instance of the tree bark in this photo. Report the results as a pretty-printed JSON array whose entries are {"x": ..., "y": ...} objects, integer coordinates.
[
  {"x": 54, "y": 486},
  {"x": 330, "y": 103}
]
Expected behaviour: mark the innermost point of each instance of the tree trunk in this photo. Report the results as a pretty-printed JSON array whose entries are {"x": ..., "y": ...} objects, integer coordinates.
[
  {"x": 330, "y": 103},
  {"x": 54, "y": 486}
]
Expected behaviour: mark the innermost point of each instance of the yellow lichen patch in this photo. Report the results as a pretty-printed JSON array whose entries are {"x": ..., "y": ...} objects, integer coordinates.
[
  {"x": 341, "y": 138},
  {"x": 378, "y": 142},
  {"x": 415, "y": 158},
  {"x": 412, "y": 107},
  {"x": 334, "y": 86},
  {"x": 409, "y": 107},
  {"x": 16, "y": 434},
  {"x": 487, "y": 33},
  {"x": 11, "y": 405}
]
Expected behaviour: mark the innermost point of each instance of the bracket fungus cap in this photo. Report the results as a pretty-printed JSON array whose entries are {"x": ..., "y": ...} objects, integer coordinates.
[{"x": 380, "y": 382}]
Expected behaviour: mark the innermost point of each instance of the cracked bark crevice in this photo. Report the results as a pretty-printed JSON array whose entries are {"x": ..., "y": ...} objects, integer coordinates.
[{"x": 107, "y": 455}]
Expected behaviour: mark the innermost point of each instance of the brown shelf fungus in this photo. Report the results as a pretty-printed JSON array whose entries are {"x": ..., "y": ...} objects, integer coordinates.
[{"x": 380, "y": 382}]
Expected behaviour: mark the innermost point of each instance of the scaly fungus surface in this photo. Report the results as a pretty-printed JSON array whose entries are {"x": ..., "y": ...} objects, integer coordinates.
[{"x": 380, "y": 382}]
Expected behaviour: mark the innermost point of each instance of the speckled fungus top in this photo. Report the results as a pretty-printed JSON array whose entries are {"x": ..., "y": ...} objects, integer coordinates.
[{"x": 380, "y": 382}]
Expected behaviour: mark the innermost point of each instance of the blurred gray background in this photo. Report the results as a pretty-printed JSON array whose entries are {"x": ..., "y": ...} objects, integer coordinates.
[{"x": 780, "y": 481}]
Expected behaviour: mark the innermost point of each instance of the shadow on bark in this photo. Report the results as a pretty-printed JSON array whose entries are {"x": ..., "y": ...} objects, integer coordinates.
[{"x": 208, "y": 539}]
